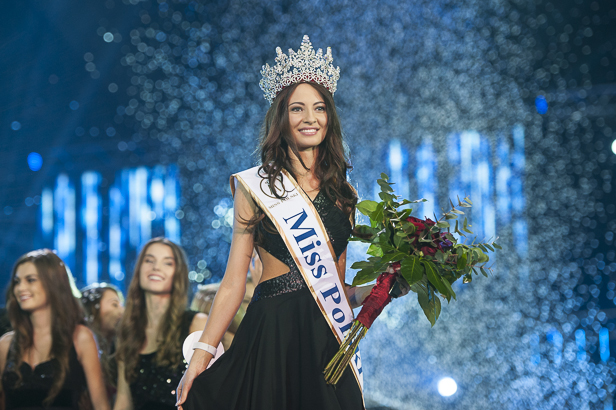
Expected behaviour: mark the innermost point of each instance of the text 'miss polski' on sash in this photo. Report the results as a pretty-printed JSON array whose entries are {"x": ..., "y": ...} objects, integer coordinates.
[{"x": 302, "y": 230}]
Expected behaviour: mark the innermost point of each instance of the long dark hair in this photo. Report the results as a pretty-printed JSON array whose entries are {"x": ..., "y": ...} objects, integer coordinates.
[
  {"x": 66, "y": 314},
  {"x": 331, "y": 165},
  {"x": 91, "y": 297},
  {"x": 131, "y": 337}
]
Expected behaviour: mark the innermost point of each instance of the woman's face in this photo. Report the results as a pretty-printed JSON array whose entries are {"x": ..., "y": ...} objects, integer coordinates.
[
  {"x": 156, "y": 271},
  {"x": 307, "y": 117},
  {"x": 28, "y": 288},
  {"x": 110, "y": 311}
]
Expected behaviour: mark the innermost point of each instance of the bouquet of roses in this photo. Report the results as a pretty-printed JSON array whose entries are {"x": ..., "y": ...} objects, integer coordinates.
[{"x": 422, "y": 253}]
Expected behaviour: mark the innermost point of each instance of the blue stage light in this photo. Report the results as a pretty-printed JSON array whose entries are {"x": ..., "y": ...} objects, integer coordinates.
[
  {"x": 541, "y": 104},
  {"x": 614, "y": 146},
  {"x": 15, "y": 125},
  {"x": 35, "y": 161},
  {"x": 447, "y": 387},
  {"x": 74, "y": 105}
]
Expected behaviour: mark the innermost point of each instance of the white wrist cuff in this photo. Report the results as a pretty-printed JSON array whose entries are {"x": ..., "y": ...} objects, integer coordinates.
[{"x": 204, "y": 346}]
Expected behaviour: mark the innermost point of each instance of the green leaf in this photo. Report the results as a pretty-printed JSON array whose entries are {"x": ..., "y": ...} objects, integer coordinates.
[
  {"x": 481, "y": 257},
  {"x": 461, "y": 261},
  {"x": 450, "y": 216},
  {"x": 440, "y": 256},
  {"x": 435, "y": 278},
  {"x": 393, "y": 257},
  {"x": 384, "y": 176},
  {"x": 428, "y": 302},
  {"x": 387, "y": 197},
  {"x": 366, "y": 207},
  {"x": 442, "y": 224},
  {"x": 365, "y": 276},
  {"x": 362, "y": 265},
  {"x": 483, "y": 271},
  {"x": 376, "y": 216},
  {"x": 385, "y": 186},
  {"x": 411, "y": 269},
  {"x": 449, "y": 288},
  {"x": 398, "y": 239},
  {"x": 375, "y": 250},
  {"x": 467, "y": 199},
  {"x": 497, "y": 246},
  {"x": 487, "y": 245},
  {"x": 455, "y": 211}
]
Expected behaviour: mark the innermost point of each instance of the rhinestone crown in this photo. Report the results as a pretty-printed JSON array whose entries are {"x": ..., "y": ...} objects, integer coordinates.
[{"x": 303, "y": 65}]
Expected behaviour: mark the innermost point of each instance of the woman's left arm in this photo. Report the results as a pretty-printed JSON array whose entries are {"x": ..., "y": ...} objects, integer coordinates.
[
  {"x": 87, "y": 354},
  {"x": 356, "y": 294}
]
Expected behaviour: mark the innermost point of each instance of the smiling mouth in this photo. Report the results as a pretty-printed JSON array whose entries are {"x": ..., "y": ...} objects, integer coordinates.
[
  {"x": 309, "y": 131},
  {"x": 155, "y": 278},
  {"x": 25, "y": 297}
]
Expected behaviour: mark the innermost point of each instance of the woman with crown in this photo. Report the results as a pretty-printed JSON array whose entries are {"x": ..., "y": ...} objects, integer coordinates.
[{"x": 296, "y": 209}]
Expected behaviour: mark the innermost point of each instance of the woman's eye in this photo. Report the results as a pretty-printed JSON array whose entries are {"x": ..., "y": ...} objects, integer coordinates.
[
  {"x": 321, "y": 108},
  {"x": 169, "y": 264},
  {"x": 296, "y": 109}
]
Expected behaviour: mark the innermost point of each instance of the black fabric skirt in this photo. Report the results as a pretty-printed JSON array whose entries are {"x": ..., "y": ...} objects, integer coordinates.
[{"x": 276, "y": 360}]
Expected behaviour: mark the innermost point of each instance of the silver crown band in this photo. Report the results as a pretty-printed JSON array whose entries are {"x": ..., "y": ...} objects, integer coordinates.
[{"x": 305, "y": 65}]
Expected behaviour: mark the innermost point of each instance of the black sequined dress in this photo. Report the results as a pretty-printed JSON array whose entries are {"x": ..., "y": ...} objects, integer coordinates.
[
  {"x": 277, "y": 357},
  {"x": 154, "y": 388},
  {"x": 36, "y": 383}
]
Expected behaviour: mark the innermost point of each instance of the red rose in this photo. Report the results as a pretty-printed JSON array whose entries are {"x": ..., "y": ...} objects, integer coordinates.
[
  {"x": 429, "y": 222},
  {"x": 417, "y": 222},
  {"x": 428, "y": 250}
]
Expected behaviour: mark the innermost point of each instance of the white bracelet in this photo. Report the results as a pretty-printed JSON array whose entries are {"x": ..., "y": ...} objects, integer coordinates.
[{"x": 204, "y": 346}]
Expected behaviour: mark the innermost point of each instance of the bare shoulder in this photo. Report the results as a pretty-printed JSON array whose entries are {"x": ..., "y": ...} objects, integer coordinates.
[
  {"x": 243, "y": 199},
  {"x": 198, "y": 322},
  {"x": 82, "y": 336},
  {"x": 5, "y": 342}
]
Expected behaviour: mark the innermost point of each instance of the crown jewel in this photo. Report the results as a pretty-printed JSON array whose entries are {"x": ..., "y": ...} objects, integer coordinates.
[{"x": 303, "y": 65}]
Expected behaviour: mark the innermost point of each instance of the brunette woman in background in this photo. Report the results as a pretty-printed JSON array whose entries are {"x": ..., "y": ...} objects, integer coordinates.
[
  {"x": 50, "y": 360},
  {"x": 153, "y": 328}
]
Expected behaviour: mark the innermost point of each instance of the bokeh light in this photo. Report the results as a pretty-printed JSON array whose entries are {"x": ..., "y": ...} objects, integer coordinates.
[
  {"x": 35, "y": 161},
  {"x": 447, "y": 387}
]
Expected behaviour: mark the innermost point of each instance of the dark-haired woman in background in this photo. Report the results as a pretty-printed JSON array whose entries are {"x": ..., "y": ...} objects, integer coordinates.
[
  {"x": 104, "y": 305},
  {"x": 153, "y": 328},
  {"x": 50, "y": 359}
]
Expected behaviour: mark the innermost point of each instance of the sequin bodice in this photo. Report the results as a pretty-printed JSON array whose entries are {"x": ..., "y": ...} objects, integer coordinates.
[
  {"x": 36, "y": 383},
  {"x": 338, "y": 229},
  {"x": 155, "y": 385}
]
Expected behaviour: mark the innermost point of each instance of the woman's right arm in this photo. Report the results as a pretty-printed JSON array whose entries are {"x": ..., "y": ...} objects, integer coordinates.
[
  {"x": 231, "y": 291},
  {"x": 123, "y": 399},
  {"x": 5, "y": 344}
]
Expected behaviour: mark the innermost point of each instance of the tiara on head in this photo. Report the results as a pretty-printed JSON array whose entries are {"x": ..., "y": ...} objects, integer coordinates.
[{"x": 303, "y": 65}]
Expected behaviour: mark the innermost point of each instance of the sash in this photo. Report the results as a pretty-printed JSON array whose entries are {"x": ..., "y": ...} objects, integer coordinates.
[{"x": 302, "y": 230}]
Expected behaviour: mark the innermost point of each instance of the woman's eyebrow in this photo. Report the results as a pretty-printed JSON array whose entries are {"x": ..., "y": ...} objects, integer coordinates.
[{"x": 296, "y": 102}]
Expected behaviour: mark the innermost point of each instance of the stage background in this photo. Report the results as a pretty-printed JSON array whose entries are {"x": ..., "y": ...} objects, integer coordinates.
[{"x": 122, "y": 120}]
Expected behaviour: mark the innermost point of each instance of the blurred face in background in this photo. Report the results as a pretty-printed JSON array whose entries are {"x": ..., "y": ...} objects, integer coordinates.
[
  {"x": 157, "y": 270},
  {"x": 110, "y": 311},
  {"x": 28, "y": 288}
]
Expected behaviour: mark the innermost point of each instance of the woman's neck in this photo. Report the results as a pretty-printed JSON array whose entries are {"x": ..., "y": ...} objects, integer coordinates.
[
  {"x": 41, "y": 321},
  {"x": 305, "y": 177},
  {"x": 156, "y": 307}
]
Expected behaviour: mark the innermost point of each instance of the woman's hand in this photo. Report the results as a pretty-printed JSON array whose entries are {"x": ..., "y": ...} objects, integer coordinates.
[{"x": 198, "y": 363}]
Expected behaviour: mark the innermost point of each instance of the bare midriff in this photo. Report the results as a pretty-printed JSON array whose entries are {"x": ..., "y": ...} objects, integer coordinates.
[{"x": 272, "y": 267}]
